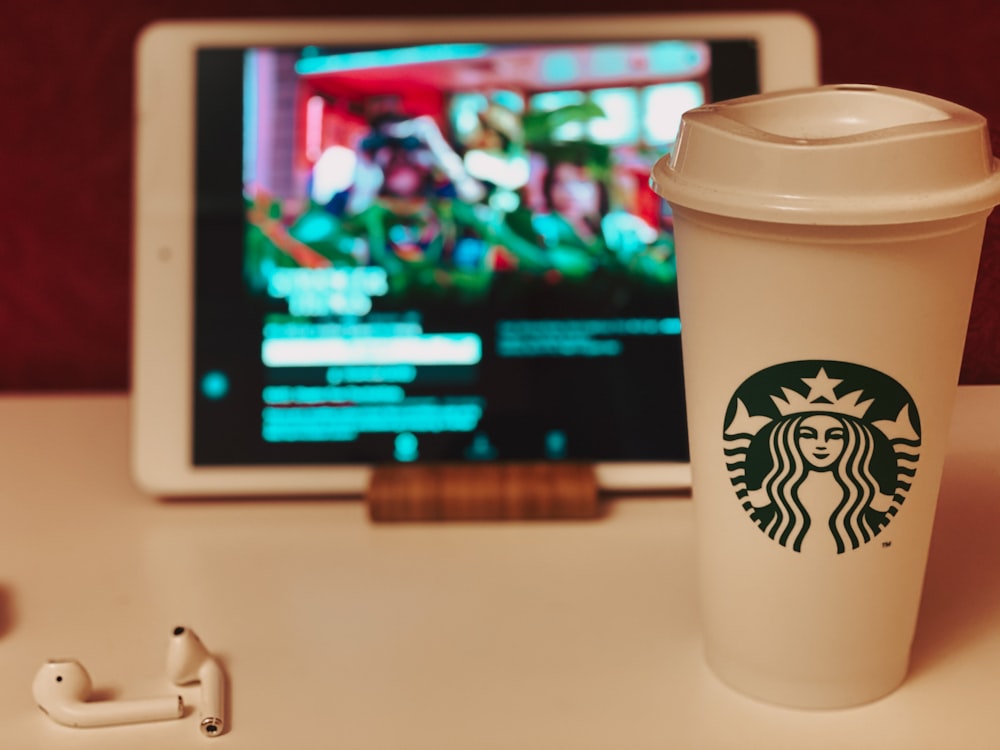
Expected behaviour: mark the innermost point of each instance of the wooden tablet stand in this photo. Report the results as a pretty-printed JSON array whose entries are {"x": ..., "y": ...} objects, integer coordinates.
[{"x": 483, "y": 492}]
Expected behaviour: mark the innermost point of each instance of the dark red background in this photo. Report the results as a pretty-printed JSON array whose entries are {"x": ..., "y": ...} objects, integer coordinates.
[{"x": 65, "y": 150}]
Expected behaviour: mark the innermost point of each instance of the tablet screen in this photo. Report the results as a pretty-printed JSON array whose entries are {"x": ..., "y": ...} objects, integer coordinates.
[{"x": 442, "y": 252}]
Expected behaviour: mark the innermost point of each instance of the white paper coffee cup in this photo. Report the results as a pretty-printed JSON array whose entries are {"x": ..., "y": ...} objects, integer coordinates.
[{"x": 827, "y": 246}]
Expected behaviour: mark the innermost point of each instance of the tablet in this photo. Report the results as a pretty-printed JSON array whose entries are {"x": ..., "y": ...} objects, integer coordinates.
[{"x": 379, "y": 241}]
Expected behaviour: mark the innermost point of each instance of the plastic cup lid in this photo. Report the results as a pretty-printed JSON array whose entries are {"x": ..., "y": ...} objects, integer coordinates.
[{"x": 832, "y": 155}]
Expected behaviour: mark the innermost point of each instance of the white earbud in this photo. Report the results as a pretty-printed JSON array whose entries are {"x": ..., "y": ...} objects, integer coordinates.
[
  {"x": 62, "y": 689},
  {"x": 188, "y": 661}
]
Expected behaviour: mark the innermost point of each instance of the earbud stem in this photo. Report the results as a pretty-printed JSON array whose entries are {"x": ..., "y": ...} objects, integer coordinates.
[
  {"x": 213, "y": 695},
  {"x": 107, "y": 713}
]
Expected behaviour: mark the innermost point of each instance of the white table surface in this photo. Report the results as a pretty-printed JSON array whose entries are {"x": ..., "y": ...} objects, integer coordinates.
[{"x": 338, "y": 633}]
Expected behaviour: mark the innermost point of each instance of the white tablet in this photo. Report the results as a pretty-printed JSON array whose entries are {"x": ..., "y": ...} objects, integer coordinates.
[{"x": 361, "y": 242}]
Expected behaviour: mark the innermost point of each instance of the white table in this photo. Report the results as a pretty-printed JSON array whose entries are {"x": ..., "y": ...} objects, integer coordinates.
[{"x": 338, "y": 633}]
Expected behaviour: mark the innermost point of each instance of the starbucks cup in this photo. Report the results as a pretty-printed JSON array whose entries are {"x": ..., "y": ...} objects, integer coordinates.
[{"x": 827, "y": 247}]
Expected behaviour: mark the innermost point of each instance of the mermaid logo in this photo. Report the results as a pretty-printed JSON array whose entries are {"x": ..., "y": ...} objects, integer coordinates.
[{"x": 821, "y": 453}]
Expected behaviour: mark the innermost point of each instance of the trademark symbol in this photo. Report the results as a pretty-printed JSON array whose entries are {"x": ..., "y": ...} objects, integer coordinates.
[{"x": 886, "y": 544}]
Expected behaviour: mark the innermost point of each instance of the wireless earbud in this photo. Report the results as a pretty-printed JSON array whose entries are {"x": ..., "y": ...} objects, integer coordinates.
[
  {"x": 188, "y": 661},
  {"x": 62, "y": 689}
]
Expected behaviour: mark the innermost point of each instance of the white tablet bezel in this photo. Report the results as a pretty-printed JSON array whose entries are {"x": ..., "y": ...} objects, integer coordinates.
[{"x": 163, "y": 300}]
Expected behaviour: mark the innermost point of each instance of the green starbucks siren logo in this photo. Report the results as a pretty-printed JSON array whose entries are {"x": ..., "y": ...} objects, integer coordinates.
[{"x": 821, "y": 454}]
